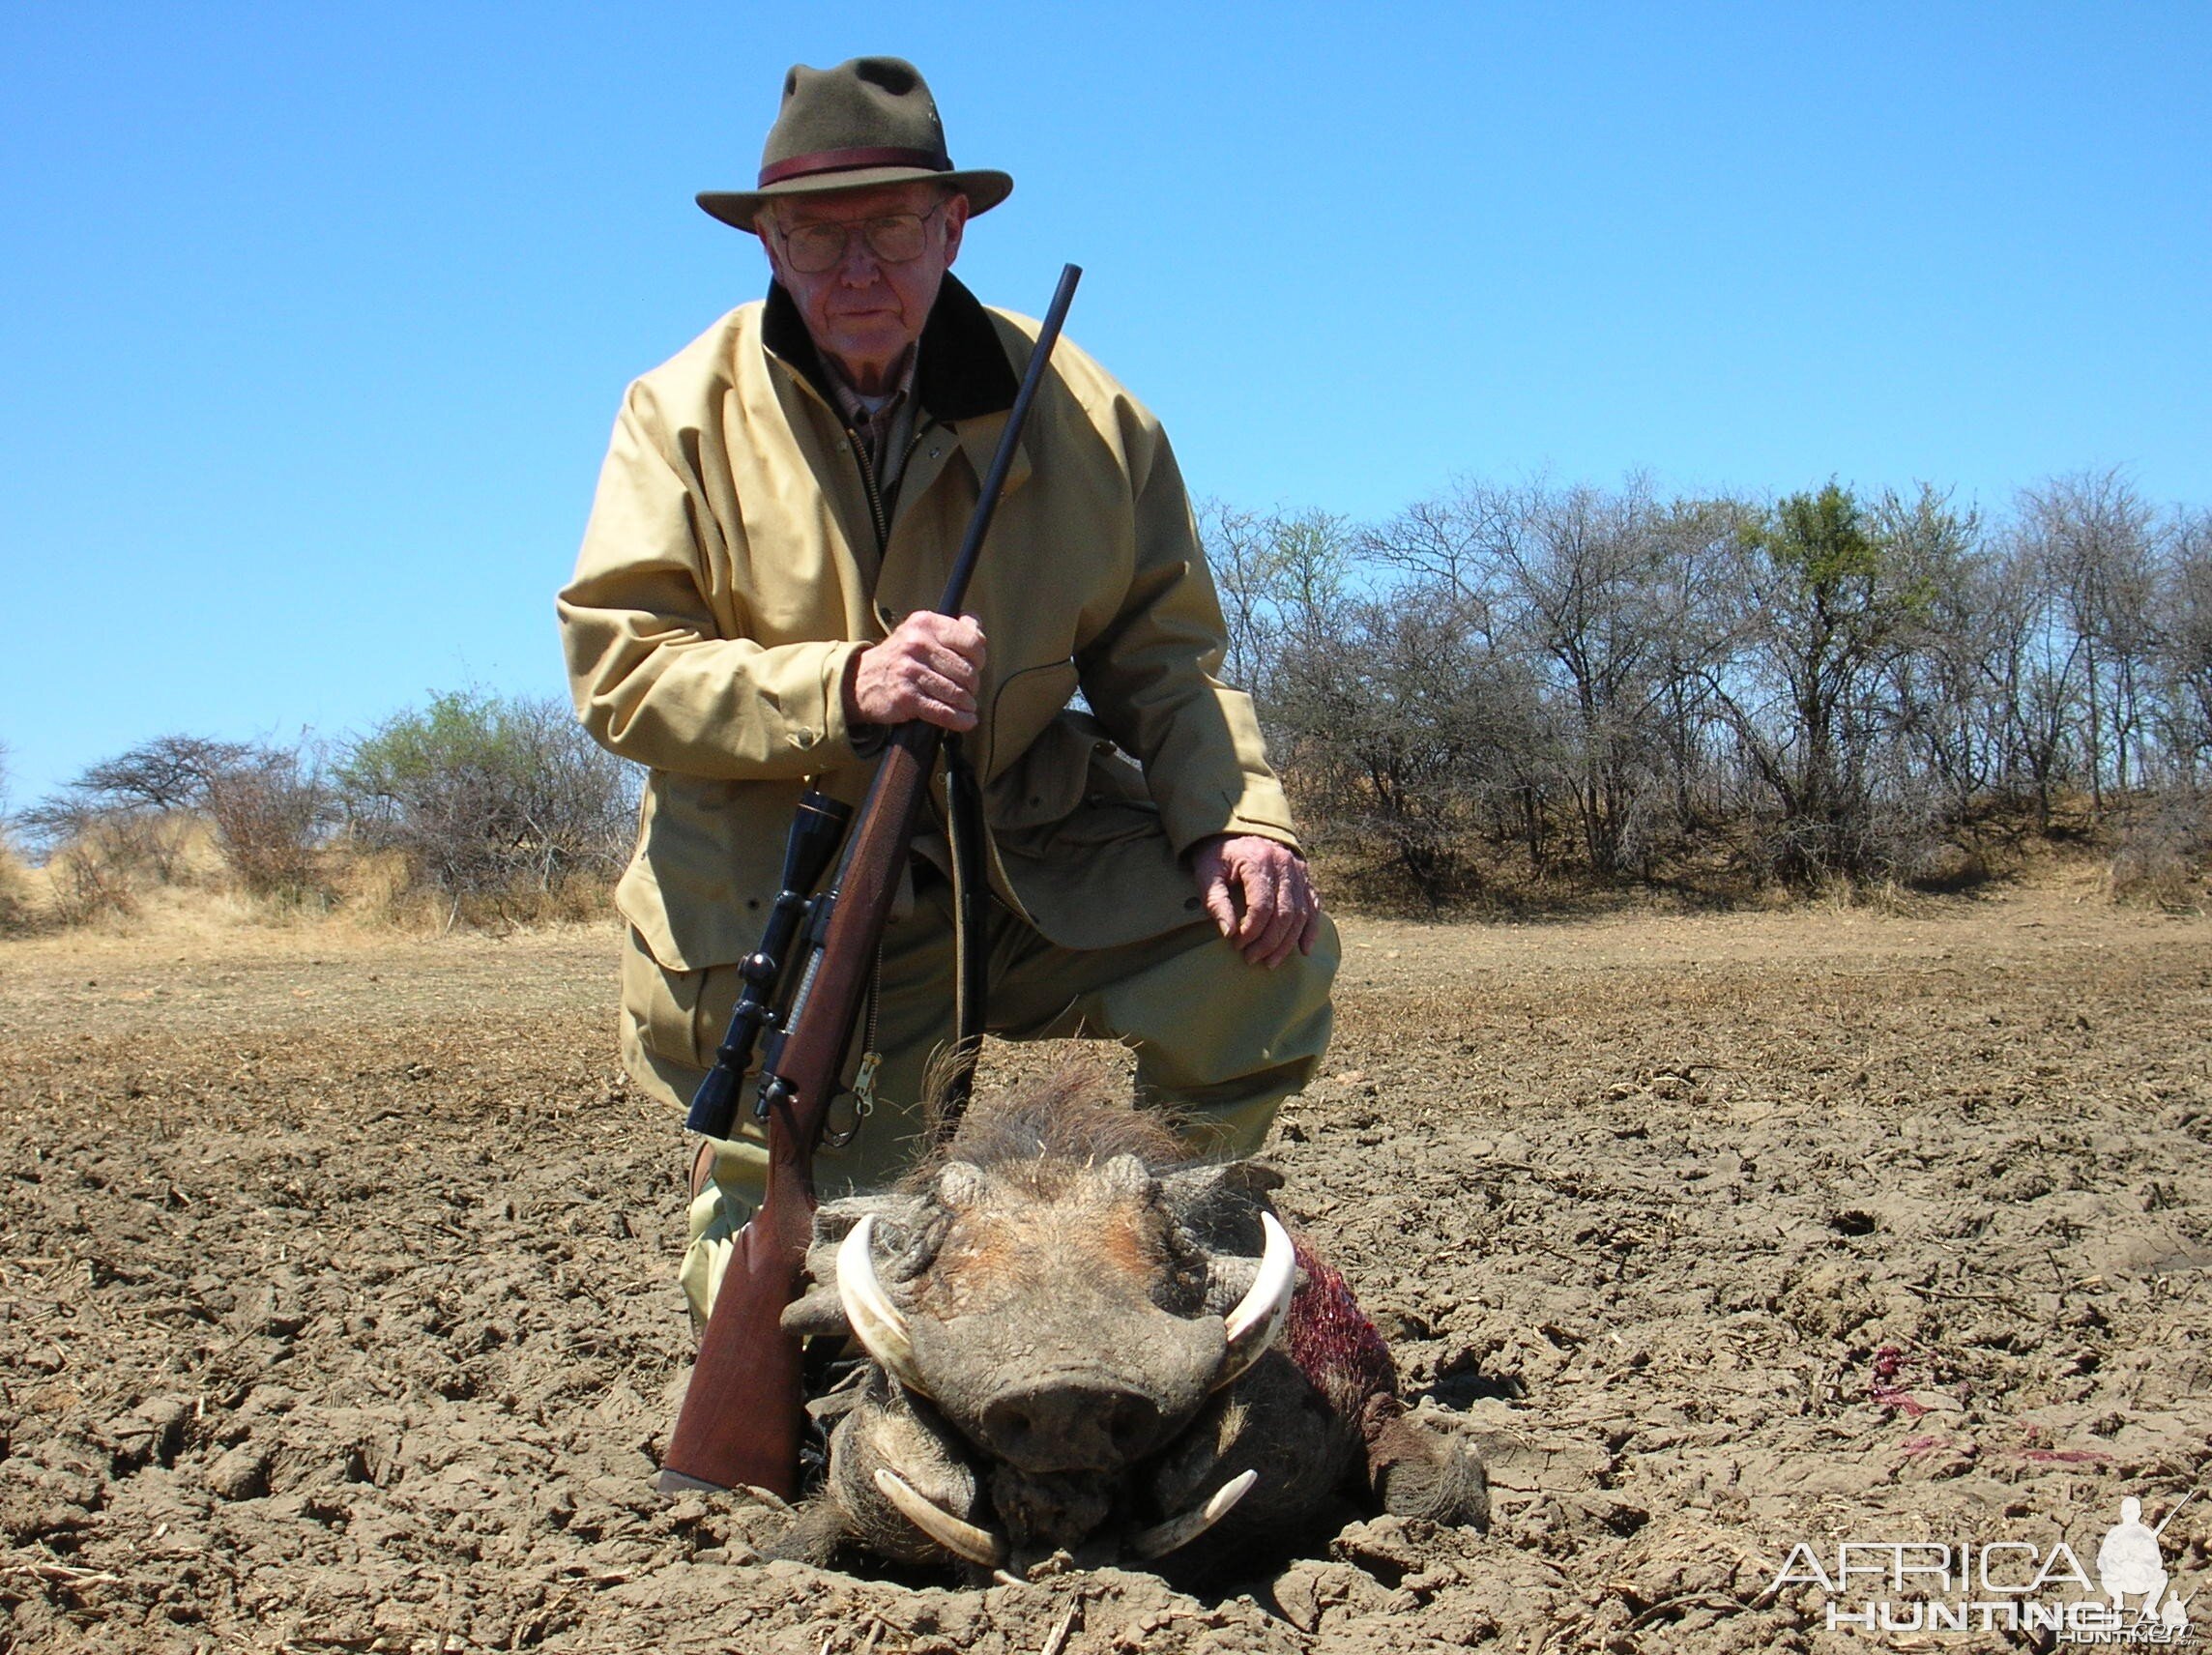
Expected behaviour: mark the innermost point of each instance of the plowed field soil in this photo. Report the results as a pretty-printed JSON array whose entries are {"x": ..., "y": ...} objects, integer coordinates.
[{"x": 336, "y": 1302}]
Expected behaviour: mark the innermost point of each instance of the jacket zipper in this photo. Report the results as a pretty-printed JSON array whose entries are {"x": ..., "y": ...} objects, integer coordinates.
[
  {"x": 872, "y": 490},
  {"x": 874, "y": 494}
]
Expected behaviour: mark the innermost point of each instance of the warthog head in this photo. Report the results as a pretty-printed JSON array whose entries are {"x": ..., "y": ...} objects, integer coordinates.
[{"x": 1078, "y": 1346}]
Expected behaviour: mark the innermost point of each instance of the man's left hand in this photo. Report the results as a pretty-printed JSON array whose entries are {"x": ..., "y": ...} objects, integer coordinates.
[{"x": 1261, "y": 894}]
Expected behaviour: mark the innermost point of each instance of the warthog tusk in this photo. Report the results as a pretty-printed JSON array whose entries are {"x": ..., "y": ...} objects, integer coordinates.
[
  {"x": 875, "y": 1321},
  {"x": 1251, "y": 1327},
  {"x": 1159, "y": 1541},
  {"x": 961, "y": 1538}
]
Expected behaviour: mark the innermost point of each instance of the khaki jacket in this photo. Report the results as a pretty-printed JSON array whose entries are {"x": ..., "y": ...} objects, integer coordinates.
[{"x": 734, "y": 562}]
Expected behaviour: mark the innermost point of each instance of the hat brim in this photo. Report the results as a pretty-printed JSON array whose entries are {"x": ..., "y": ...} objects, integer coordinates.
[{"x": 737, "y": 208}]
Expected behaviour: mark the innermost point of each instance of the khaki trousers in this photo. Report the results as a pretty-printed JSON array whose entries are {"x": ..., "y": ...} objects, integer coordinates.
[{"x": 1219, "y": 1042}]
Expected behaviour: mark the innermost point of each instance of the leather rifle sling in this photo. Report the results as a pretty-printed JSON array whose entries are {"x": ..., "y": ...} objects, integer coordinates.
[{"x": 971, "y": 942}]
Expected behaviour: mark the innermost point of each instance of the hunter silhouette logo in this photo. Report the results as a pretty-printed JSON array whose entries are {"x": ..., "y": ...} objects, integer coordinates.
[
  {"x": 2007, "y": 1585},
  {"x": 2129, "y": 1562}
]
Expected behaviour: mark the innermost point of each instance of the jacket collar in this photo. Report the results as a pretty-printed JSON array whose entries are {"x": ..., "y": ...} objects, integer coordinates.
[{"x": 961, "y": 372}]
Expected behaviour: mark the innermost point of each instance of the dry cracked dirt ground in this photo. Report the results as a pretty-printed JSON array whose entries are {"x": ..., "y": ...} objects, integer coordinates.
[{"x": 336, "y": 1312}]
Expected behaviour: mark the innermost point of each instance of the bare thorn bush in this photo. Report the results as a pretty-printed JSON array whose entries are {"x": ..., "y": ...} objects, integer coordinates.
[
  {"x": 92, "y": 873},
  {"x": 271, "y": 812},
  {"x": 504, "y": 810},
  {"x": 17, "y": 914}
]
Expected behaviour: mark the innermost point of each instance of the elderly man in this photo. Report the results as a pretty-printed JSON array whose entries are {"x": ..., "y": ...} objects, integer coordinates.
[{"x": 779, "y": 507}]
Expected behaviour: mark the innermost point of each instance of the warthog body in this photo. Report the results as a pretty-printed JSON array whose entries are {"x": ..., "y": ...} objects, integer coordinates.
[{"x": 1079, "y": 1346}]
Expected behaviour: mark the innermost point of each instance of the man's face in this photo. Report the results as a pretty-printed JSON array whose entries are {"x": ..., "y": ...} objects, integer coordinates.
[{"x": 864, "y": 310}]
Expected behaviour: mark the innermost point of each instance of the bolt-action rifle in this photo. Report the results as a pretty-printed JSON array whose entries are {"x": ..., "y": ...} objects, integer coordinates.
[{"x": 743, "y": 1411}]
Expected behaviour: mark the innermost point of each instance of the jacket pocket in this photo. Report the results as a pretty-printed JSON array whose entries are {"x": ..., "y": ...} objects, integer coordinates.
[{"x": 662, "y": 1004}]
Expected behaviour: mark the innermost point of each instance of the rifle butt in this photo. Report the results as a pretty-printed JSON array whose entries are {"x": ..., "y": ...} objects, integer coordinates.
[{"x": 743, "y": 1410}]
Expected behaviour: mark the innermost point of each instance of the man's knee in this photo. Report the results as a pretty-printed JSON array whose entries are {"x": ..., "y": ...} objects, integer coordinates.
[
  {"x": 1207, "y": 1017},
  {"x": 1222, "y": 1042},
  {"x": 720, "y": 1208}
]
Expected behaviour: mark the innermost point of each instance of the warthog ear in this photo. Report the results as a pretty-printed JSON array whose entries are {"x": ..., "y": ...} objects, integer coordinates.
[
  {"x": 959, "y": 1184},
  {"x": 899, "y": 1221},
  {"x": 899, "y": 1218}
]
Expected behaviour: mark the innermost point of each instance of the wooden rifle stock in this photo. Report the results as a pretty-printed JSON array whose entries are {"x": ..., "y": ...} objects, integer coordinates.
[{"x": 745, "y": 1408}]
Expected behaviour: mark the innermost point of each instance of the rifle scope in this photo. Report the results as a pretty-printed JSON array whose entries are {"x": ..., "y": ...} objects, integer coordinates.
[{"x": 816, "y": 828}]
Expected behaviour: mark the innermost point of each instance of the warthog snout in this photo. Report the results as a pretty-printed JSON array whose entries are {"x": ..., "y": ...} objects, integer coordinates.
[{"x": 1071, "y": 1423}]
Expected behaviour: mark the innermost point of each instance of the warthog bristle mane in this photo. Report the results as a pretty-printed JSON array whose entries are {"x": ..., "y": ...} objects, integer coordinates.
[{"x": 1080, "y": 1112}]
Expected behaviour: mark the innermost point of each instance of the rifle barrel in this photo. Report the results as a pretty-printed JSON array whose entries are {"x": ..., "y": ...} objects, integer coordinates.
[
  {"x": 1001, "y": 462},
  {"x": 2174, "y": 1513}
]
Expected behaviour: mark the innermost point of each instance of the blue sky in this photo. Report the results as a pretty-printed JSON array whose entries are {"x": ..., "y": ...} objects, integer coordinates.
[{"x": 317, "y": 316}]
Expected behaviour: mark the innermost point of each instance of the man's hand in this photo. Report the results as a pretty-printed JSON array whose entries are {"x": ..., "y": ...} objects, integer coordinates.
[
  {"x": 929, "y": 668},
  {"x": 1260, "y": 895}
]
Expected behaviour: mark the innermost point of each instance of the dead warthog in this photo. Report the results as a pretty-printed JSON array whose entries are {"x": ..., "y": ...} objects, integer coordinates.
[{"x": 1080, "y": 1347}]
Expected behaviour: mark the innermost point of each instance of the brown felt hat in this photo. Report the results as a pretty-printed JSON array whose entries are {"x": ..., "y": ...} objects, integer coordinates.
[{"x": 869, "y": 120}]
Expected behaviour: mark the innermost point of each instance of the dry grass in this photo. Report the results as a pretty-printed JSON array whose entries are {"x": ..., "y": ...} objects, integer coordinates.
[
  {"x": 113, "y": 886},
  {"x": 169, "y": 877}
]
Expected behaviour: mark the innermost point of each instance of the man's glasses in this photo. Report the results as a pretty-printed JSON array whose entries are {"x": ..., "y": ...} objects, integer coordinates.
[{"x": 896, "y": 238}]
